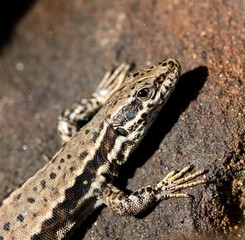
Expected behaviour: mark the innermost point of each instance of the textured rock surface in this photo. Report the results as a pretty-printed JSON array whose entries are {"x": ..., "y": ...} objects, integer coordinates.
[{"x": 53, "y": 51}]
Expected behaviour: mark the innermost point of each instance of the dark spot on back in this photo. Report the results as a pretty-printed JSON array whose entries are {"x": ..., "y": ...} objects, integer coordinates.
[
  {"x": 6, "y": 226},
  {"x": 62, "y": 160},
  {"x": 43, "y": 184},
  {"x": 69, "y": 156},
  {"x": 31, "y": 200},
  {"x": 164, "y": 64},
  {"x": 95, "y": 136},
  {"x": 59, "y": 167},
  {"x": 20, "y": 217},
  {"x": 83, "y": 155},
  {"x": 87, "y": 131},
  {"x": 18, "y": 196},
  {"x": 34, "y": 189},
  {"x": 72, "y": 169},
  {"x": 52, "y": 175}
]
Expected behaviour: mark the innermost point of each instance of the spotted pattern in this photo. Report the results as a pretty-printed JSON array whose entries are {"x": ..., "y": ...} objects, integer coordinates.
[
  {"x": 82, "y": 184},
  {"x": 52, "y": 175},
  {"x": 31, "y": 200},
  {"x": 20, "y": 217},
  {"x": 6, "y": 226},
  {"x": 89, "y": 161},
  {"x": 43, "y": 184}
]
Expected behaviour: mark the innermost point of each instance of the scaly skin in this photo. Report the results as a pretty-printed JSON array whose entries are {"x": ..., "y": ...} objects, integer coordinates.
[{"x": 79, "y": 178}]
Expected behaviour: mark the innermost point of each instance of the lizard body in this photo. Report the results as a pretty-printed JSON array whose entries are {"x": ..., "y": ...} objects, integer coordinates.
[{"x": 79, "y": 177}]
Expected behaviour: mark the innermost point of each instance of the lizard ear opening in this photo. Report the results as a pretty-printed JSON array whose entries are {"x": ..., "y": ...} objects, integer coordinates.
[{"x": 122, "y": 131}]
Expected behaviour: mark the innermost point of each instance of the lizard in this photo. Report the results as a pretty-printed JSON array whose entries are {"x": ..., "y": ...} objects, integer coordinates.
[{"x": 79, "y": 178}]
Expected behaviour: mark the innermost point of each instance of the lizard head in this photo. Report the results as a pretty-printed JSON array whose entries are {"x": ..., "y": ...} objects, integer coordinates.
[{"x": 134, "y": 106}]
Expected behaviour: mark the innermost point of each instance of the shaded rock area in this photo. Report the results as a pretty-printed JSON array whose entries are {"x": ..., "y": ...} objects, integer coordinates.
[{"x": 51, "y": 52}]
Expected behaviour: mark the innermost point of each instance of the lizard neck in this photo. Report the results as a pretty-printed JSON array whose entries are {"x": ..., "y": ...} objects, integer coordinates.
[{"x": 112, "y": 146}]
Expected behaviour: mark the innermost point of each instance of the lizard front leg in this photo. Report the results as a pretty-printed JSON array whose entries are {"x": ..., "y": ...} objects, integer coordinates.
[{"x": 141, "y": 199}]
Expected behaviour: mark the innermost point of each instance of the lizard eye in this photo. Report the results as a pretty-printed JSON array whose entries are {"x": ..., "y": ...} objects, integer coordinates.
[{"x": 144, "y": 94}]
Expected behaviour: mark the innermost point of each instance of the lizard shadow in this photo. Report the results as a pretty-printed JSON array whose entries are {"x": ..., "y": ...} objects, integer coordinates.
[{"x": 186, "y": 91}]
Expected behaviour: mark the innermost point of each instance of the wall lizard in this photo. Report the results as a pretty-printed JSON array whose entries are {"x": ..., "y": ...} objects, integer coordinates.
[{"x": 79, "y": 178}]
